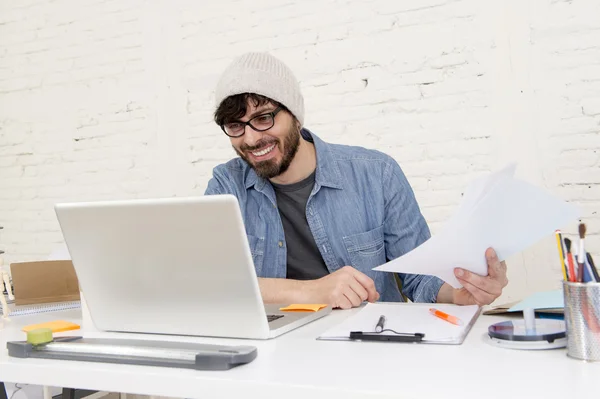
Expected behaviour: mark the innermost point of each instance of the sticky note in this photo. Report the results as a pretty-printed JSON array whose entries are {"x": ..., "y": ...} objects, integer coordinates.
[
  {"x": 54, "y": 326},
  {"x": 303, "y": 307}
]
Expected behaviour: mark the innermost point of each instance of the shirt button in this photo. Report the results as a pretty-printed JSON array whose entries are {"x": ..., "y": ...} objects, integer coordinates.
[{"x": 280, "y": 243}]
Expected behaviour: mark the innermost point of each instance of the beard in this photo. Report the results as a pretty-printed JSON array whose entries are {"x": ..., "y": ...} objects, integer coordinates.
[{"x": 271, "y": 168}]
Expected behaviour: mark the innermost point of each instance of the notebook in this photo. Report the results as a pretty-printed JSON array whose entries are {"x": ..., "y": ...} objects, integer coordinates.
[
  {"x": 408, "y": 318},
  {"x": 22, "y": 310}
]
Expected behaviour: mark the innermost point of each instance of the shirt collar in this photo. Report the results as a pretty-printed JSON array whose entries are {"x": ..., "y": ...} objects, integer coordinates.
[{"x": 328, "y": 173}]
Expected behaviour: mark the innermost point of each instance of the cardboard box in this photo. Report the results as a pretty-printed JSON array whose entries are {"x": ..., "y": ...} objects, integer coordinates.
[{"x": 44, "y": 282}]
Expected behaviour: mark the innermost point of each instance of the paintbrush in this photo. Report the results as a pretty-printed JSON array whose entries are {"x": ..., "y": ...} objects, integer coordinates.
[
  {"x": 570, "y": 262},
  {"x": 581, "y": 257}
]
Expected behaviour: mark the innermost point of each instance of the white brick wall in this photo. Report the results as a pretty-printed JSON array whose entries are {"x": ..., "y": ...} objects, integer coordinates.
[{"x": 113, "y": 99}]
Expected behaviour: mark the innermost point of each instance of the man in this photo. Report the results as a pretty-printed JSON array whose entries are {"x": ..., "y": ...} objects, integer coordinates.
[{"x": 318, "y": 216}]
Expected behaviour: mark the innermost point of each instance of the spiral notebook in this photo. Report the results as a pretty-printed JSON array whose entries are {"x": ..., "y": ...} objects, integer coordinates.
[
  {"x": 408, "y": 318},
  {"x": 22, "y": 310}
]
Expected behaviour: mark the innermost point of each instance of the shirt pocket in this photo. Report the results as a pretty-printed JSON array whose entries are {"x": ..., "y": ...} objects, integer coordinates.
[
  {"x": 366, "y": 250},
  {"x": 257, "y": 249}
]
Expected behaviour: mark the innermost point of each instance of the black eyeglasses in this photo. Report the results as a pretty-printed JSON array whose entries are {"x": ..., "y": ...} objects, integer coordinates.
[{"x": 260, "y": 123}]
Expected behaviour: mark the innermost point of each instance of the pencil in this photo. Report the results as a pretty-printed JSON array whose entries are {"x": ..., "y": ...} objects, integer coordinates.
[{"x": 561, "y": 254}]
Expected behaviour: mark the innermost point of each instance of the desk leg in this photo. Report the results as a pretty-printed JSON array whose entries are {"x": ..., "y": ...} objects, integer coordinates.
[
  {"x": 68, "y": 393},
  {"x": 3, "y": 391}
]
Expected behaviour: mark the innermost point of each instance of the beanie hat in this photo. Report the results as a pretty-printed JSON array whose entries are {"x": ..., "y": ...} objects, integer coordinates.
[{"x": 263, "y": 74}]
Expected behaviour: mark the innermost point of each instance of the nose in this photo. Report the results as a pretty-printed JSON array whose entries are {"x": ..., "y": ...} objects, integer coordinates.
[{"x": 251, "y": 136}]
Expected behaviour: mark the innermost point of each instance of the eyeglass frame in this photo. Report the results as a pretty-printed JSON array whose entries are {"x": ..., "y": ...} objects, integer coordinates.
[{"x": 244, "y": 124}]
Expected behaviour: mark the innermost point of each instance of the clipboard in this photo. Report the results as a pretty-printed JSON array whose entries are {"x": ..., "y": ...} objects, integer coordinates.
[{"x": 405, "y": 322}]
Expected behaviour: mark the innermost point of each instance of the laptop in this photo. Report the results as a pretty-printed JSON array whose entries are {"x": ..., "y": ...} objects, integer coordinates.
[{"x": 178, "y": 266}]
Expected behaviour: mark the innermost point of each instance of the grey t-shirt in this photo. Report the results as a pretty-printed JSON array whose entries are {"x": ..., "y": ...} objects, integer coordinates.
[{"x": 304, "y": 261}]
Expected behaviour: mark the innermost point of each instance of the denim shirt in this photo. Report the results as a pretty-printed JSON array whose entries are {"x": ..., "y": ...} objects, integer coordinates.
[{"x": 362, "y": 212}]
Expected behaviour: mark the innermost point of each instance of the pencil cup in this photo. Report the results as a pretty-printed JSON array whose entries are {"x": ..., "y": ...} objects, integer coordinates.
[{"x": 582, "y": 319}]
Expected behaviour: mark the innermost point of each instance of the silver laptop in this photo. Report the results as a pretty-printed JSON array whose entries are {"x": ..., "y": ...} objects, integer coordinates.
[{"x": 171, "y": 266}]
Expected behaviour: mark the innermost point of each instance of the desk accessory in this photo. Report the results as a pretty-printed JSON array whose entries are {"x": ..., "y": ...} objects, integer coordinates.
[
  {"x": 54, "y": 326},
  {"x": 404, "y": 322},
  {"x": 41, "y": 344},
  {"x": 362, "y": 336},
  {"x": 445, "y": 316},
  {"x": 528, "y": 333},
  {"x": 582, "y": 318},
  {"x": 303, "y": 307}
]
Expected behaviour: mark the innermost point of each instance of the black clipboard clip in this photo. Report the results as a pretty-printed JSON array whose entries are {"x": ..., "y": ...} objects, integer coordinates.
[{"x": 362, "y": 336}]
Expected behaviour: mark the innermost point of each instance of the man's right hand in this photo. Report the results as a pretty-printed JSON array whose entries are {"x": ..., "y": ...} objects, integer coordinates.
[{"x": 345, "y": 288}]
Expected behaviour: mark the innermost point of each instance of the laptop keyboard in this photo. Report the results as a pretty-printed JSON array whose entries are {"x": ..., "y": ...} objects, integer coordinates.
[{"x": 273, "y": 317}]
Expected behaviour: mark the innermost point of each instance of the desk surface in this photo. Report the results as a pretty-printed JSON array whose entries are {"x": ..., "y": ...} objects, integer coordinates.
[{"x": 297, "y": 365}]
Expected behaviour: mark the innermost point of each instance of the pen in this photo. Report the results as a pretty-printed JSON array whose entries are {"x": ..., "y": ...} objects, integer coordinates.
[
  {"x": 380, "y": 324},
  {"x": 593, "y": 267},
  {"x": 446, "y": 316}
]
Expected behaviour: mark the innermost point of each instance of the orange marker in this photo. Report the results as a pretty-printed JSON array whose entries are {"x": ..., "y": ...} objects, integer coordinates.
[{"x": 446, "y": 316}]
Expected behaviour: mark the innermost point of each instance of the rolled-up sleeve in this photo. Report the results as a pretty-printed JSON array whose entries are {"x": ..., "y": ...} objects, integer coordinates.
[{"x": 405, "y": 228}]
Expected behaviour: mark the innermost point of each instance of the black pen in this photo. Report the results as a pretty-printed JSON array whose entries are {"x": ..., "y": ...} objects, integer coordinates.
[
  {"x": 595, "y": 275},
  {"x": 380, "y": 324}
]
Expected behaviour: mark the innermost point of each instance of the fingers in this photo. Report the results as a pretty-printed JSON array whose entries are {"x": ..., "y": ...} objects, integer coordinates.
[
  {"x": 487, "y": 284},
  {"x": 496, "y": 269},
  {"x": 343, "y": 302},
  {"x": 481, "y": 297},
  {"x": 353, "y": 298},
  {"x": 357, "y": 287},
  {"x": 367, "y": 283}
]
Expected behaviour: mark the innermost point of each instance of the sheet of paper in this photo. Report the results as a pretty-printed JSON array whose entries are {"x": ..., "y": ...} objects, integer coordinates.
[
  {"x": 498, "y": 211},
  {"x": 541, "y": 300},
  {"x": 407, "y": 318}
]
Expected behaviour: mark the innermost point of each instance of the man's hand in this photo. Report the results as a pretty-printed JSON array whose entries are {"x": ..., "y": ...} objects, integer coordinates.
[
  {"x": 478, "y": 289},
  {"x": 345, "y": 288}
]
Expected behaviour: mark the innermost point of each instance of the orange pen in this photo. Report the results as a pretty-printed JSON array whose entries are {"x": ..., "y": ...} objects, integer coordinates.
[{"x": 446, "y": 316}]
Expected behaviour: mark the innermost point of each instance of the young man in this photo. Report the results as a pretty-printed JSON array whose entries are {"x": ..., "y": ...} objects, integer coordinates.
[{"x": 318, "y": 216}]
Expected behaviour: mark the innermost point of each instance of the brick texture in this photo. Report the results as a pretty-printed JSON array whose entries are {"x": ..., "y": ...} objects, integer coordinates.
[{"x": 113, "y": 99}]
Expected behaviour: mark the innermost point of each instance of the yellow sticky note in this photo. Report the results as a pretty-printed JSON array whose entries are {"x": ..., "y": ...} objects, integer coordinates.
[
  {"x": 55, "y": 326},
  {"x": 303, "y": 307}
]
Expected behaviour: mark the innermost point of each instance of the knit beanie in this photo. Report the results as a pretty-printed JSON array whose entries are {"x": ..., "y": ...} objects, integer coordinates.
[{"x": 262, "y": 73}]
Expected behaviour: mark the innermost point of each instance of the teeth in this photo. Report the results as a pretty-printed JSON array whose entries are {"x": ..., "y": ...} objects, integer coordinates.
[{"x": 263, "y": 152}]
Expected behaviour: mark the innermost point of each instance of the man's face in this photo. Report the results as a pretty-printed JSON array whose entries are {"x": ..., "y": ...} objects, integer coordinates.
[{"x": 271, "y": 152}]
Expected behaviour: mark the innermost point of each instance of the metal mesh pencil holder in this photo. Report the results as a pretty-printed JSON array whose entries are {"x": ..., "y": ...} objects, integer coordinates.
[{"x": 582, "y": 319}]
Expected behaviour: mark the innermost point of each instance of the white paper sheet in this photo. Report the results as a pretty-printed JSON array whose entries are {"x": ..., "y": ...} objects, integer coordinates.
[
  {"x": 408, "y": 318},
  {"x": 497, "y": 211}
]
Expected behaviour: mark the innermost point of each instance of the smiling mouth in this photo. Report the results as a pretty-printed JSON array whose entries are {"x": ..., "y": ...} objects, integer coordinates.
[{"x": 263, "y": 152}]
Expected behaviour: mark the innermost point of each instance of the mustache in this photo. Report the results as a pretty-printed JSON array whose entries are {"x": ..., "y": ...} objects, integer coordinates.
[{"x": 258, "y": 145}]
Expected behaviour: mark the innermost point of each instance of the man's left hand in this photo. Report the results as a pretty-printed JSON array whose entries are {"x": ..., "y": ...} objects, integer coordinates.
[{"x": 481, "y": 290}]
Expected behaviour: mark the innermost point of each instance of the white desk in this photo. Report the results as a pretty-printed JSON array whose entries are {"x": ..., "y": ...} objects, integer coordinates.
[{"x": 296, "y": 365}]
